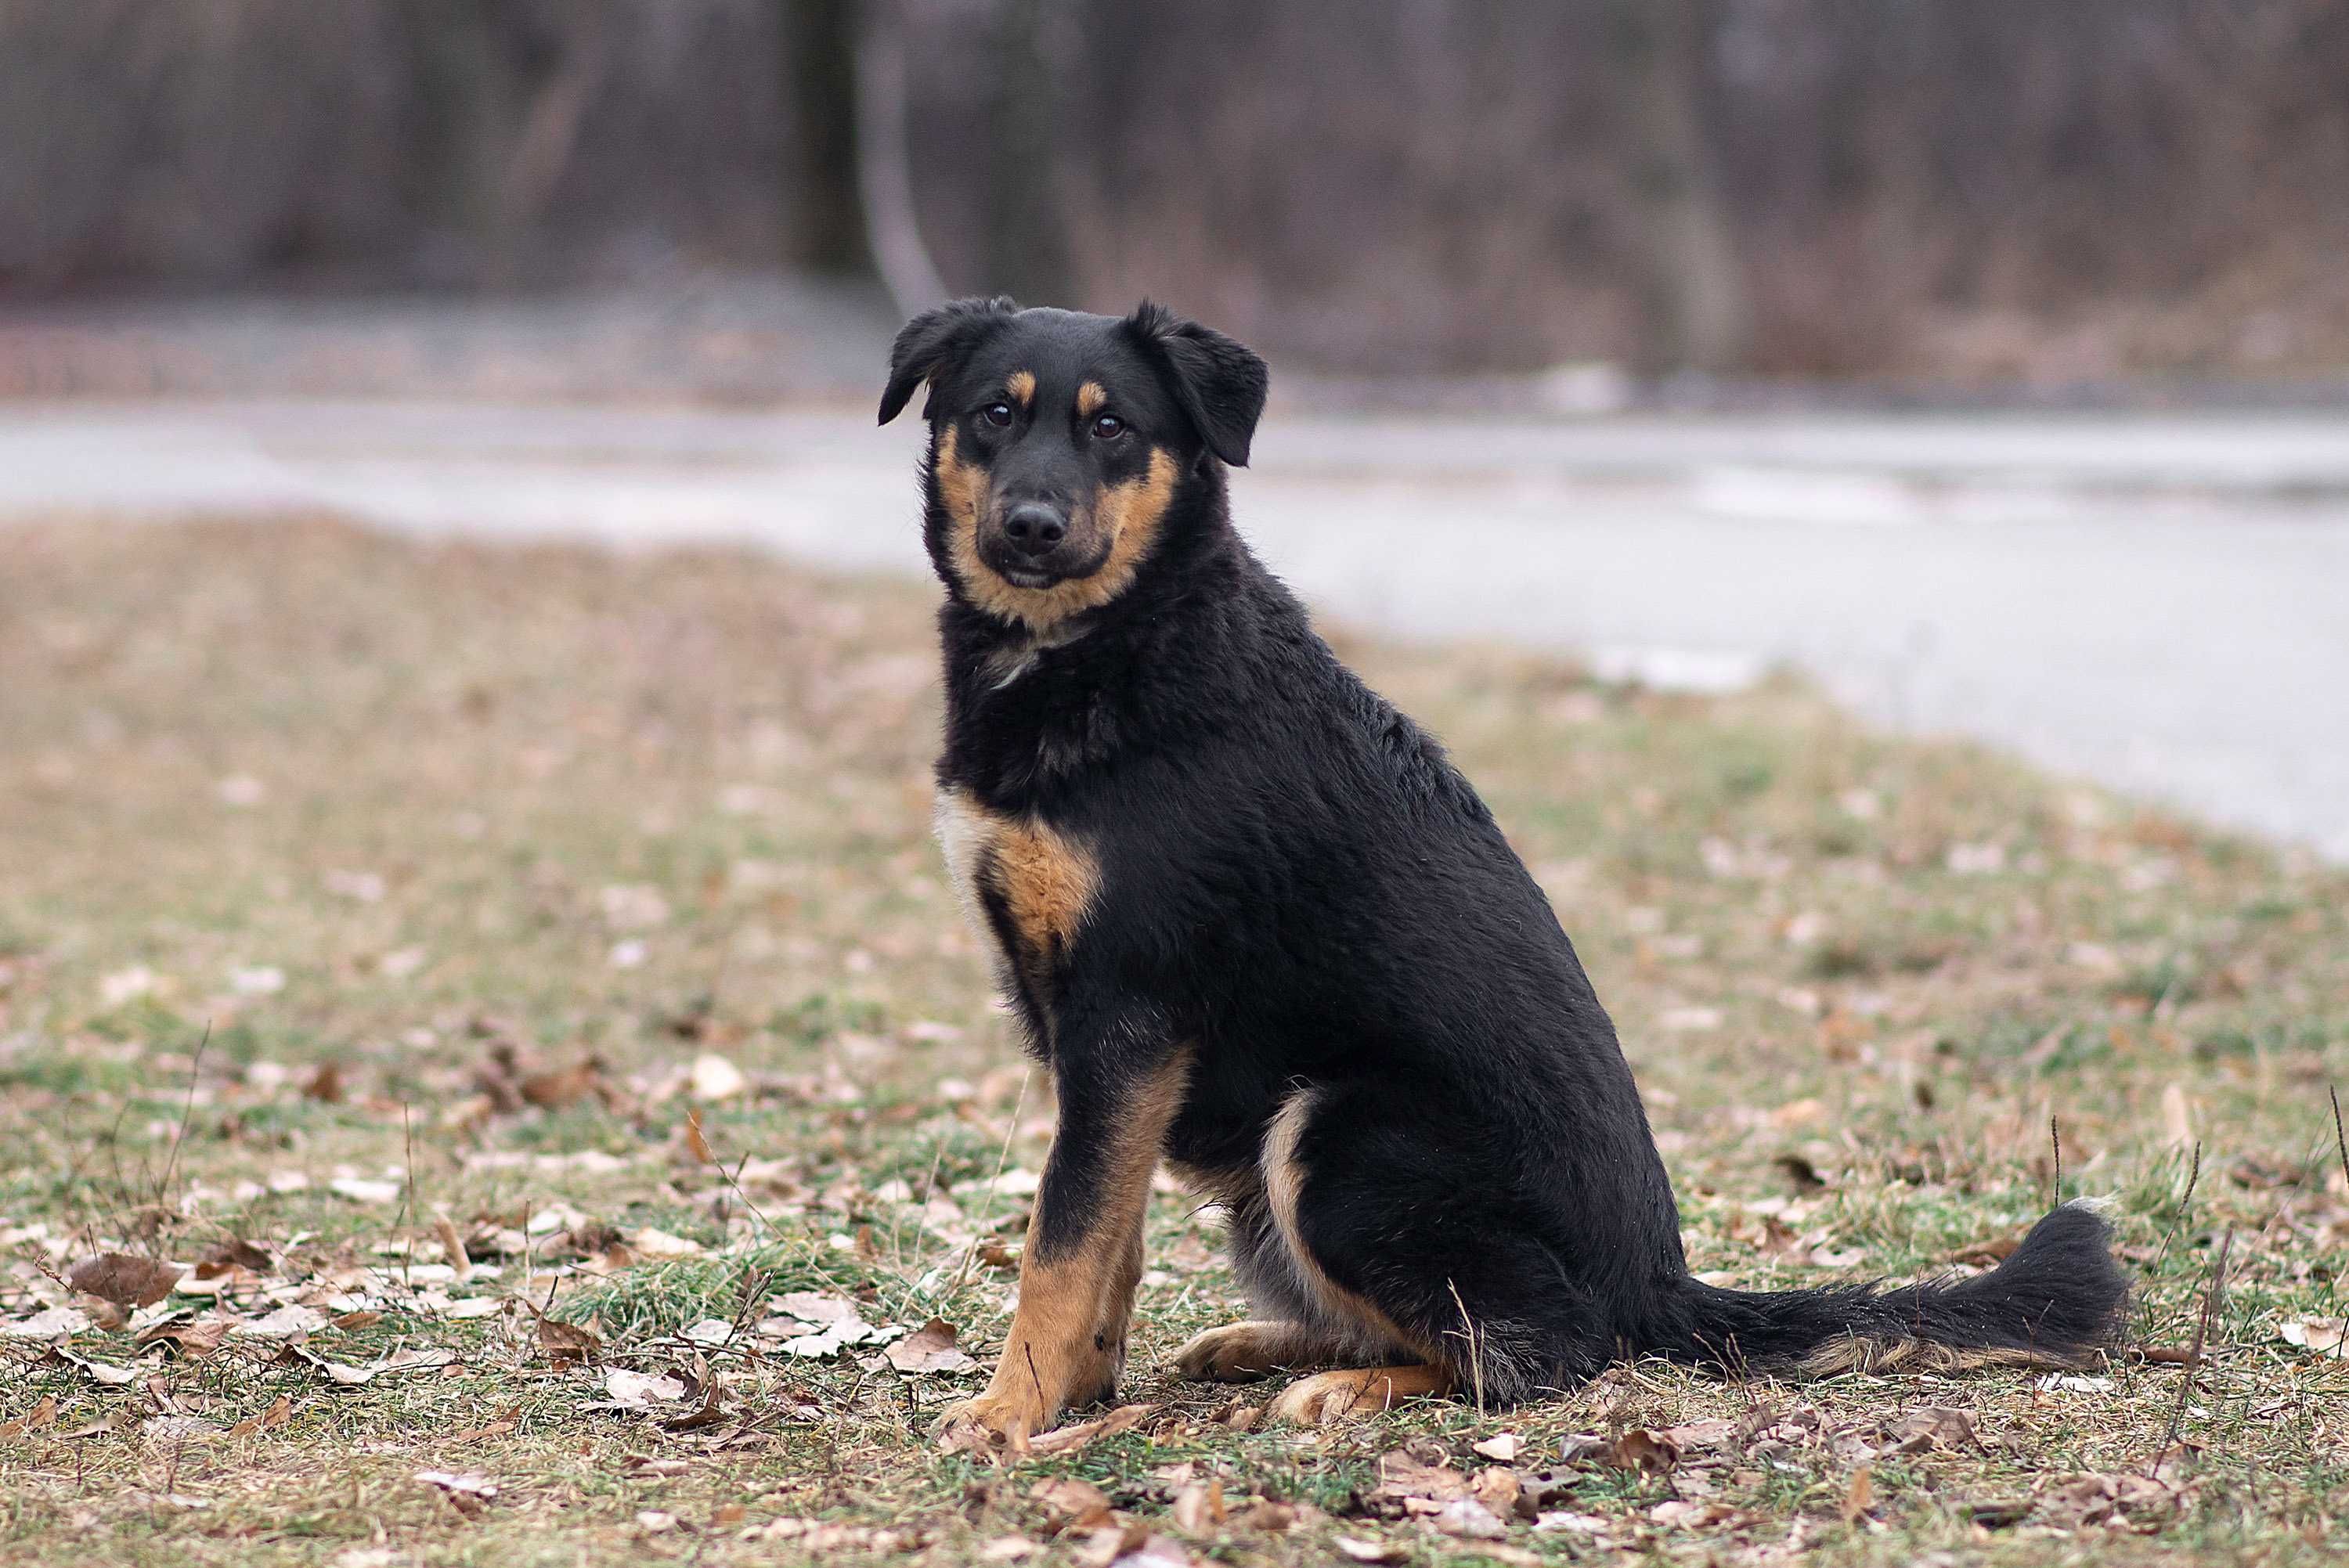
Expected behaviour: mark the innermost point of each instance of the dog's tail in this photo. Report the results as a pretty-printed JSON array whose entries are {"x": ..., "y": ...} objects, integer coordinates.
[{"x": 2054, "y": 1301}]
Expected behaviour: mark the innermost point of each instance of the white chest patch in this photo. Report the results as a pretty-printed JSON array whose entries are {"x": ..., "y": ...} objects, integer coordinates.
[
  {"x": 1042, "y": 882},
  {"x": 965, "y": 834}
]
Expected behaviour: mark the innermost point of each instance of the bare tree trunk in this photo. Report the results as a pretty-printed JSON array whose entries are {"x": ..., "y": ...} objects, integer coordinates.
[
  {"x": 464, "y": 91},
  {"x": 827, "y": 232},
  {"x": 885, "y": 169},
  {"x": 1027, "y": 236},
  {"x": 1699, "y": 318}
]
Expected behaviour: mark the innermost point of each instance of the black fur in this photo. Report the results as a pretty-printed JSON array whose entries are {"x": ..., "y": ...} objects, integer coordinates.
[{"x": 1300, "y": 891}]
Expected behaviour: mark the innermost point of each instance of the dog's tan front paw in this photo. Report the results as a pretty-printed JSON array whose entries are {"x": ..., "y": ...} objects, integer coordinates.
[
  {"x": 1238, "y": 1352},
  {"x": 1331, "y": 1397},
  {"x": 993, "y": 1420}
]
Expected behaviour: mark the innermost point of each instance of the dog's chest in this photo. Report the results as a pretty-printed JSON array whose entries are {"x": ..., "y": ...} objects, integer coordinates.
[{"x": 1025, "y": 887}]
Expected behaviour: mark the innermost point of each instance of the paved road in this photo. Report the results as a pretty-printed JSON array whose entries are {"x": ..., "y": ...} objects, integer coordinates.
[{"x": 2159, "y": 602}]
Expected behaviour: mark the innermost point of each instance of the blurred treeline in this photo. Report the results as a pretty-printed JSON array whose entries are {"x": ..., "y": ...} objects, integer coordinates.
[{"x": 1937, "y": 187}]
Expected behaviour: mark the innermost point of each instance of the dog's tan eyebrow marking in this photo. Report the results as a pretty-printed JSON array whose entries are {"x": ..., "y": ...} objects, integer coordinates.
[
  {"x": 1090, "y": 398},
  {"x": 1022, "y": 386}
]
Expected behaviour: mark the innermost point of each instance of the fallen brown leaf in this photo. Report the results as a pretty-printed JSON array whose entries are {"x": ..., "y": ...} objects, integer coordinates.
[
  {"x": 1069, "y": 1439},
  {"x": 40, "y": 1418},
  {"x": 1933, "y": 1426},
  {"x": 1498, "y": 1488},
  {"x": 193, "y": 1340},
  {"x": 1636, "y": 1449},
  {"x": 1988, "y": 1254},
  {"x": 1271, "y": 1516},
  {"x": 103, "y": 1374},
  {"x": 708, "y": 1413},
  {"x": 1405, "y": 1478},
  {"x": 2324, "y": 1336},
  {"x": 1695, "y": 1437},
  {"x": 930, "y": 1348},
  {"x": 641, "y": 1390},
  {"x": 1860, "y": 1496},
  {"x": 452, "y": 1246},
  {"x": 696, "y": 1144},
  {"x": 468, "y": 1490},
  {"x": 1199, "y": 1509},
  {"x": 1469, "y": 1520},
  {"x": 568, "y": 1344},
  {"x": 1074, "y": 1504},
  {"x": 277, "y": 1415},
  {"x": 123, "y": 1279},
  {"x": 234, "y": 1254}
]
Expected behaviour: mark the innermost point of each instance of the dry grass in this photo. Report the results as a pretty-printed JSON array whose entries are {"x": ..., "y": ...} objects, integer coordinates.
[{"x": 410, "y": 813}]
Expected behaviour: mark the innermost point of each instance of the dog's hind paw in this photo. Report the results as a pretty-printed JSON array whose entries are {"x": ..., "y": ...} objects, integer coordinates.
[
  {"x": 1242, "y": 1352},
  {"x": 1329, "y": 1398}
]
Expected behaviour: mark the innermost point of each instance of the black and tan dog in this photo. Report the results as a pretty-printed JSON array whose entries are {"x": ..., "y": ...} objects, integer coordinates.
[{"x": 1258, "y": 926}]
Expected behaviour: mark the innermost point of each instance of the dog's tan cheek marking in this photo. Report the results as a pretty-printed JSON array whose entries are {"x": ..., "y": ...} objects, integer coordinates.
[
  {"x": 1068, "y": 1338},
  {"x": 1090, "y": 398},
  {"x": 962, "y": 488},
  {"x": 1022, "y": 385},
  {"x": 1130, "y": 512},
  {"x": 1284, "y": 1181}
]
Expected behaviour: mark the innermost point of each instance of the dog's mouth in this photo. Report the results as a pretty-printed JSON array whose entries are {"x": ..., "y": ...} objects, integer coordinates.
[{"x": 1036, "y": 572}]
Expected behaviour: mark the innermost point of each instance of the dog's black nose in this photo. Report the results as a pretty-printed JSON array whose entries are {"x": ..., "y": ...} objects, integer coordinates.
[{"x": 1034, "y": 528}]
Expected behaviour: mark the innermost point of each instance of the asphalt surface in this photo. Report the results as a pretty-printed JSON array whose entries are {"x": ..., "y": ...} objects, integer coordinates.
[{"x": 2157, "y": 602}]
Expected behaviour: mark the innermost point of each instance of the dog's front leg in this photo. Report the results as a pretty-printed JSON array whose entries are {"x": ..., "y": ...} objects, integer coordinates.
[{"x": 1083, "y": 1256}]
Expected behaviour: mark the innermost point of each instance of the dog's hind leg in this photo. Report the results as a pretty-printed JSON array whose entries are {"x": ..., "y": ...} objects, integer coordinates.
[
  {"x": 1293, "y": 1332},
  {"x": 1402, "y": 1239}
]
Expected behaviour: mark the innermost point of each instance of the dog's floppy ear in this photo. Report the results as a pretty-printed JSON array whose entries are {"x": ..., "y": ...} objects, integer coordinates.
[
  {"x": 1219, "y": 381},
  {"x": 932, "y": 341}
]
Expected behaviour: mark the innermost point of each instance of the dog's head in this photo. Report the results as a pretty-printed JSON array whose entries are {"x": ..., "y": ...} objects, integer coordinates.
[{"x": 1060, "y": 441}]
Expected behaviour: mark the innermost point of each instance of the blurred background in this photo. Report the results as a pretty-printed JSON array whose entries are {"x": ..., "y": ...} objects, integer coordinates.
[
  {"x": 1984, "y": 358},
  {"x": 1932, "y": 189}
]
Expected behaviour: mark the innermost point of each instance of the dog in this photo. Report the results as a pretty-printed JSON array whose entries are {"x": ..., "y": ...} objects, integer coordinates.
[{"x": 1260, "y": 928}]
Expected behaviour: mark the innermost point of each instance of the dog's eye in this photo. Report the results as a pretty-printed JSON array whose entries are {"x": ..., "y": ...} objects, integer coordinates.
[
  {"x": 997, "y": 413},
  {"x": 1108, "y": 426}
]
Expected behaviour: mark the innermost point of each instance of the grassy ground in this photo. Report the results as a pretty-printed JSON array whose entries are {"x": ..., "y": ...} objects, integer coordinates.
[{"x": 359, "y": 898}]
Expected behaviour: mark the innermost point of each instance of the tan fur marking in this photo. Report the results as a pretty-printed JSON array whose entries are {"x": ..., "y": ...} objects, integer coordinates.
[
  {"x": 1877, "y": 1357},
  {"x": 1283, "y": 1179},
  {"x": 1090, "y": 398},
  {"x": 1129, "y": 513},
  {"x": 1047, "y": 881},
  {"x": 963, "y": 487},
  {"x": 1330, "y": 1396},
  {"x": 1022, "y": 385},
  {"x": 1238, "y": 1352},
  {"x": 1067, "y": 1344}
]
